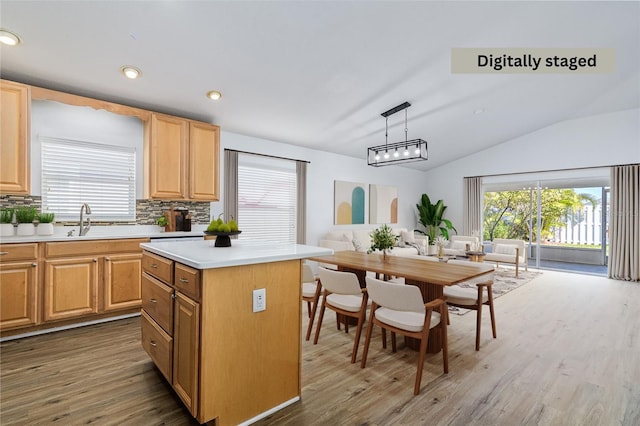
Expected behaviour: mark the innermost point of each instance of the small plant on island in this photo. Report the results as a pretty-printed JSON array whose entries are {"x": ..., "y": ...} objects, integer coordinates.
[
  {"x": 162, "y": 221},
  {"x": 383, "y": 239},
  {"x": 26, "y": 214}
]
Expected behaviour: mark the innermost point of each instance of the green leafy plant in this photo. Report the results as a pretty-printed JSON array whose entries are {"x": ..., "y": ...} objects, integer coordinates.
[
  {"x": 382, "y": 239},
  {"x": 162, "y": 221},
  {"x": 26, "y": 214},
  {"x": 46, "y": 217},
  {"x": 431, "y": 216},
  {"x": 6, "y": 215}
]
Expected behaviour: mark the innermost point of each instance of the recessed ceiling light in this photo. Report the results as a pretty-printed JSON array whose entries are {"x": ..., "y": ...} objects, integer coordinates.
[
  {"x": 214, "y": 95},
  {"x": 9, "y": 38},
  {"x": 130, "y": 72}
]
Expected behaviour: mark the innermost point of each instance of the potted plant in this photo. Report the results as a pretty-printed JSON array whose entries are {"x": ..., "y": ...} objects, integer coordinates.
[
  {"x": 162, "y": 222},
  {"x": 25, "y": 217},
  {"x": 431, "y": 217},
  {"x": 45, "y": 223},
  {"x": 383, "y": 239},
  {"x": 6, "y": 227}
]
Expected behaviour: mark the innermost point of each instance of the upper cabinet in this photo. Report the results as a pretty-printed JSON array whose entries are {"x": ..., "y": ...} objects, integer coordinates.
[
  {"x": 181, "y": 159},
  {"x": 14, "y": 138}
]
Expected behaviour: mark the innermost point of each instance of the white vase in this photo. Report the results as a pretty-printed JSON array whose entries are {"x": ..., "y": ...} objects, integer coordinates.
[
  {"x": 45, "y": 229},
  {"x": 26, "y": 229},
  {"x": 7, "y": 230},
  {"x": 432, "y": 250}
]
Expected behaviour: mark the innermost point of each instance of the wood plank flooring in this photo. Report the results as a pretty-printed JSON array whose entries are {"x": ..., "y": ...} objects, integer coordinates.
[{"x": 567, "y": 353}]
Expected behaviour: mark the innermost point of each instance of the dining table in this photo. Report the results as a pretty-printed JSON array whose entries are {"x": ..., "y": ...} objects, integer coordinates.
[{"x": 430, "y": 277}]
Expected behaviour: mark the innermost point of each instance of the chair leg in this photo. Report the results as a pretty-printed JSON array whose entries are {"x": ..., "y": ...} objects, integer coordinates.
[
  {"x": 517, "y": 264},
  {"x": 384, "y": 338},
  {"x": 478, "y": 324},
  {"x": 423, "y": 350},
  {"x": 338, "y": 321},
  {"x": 316, "y": 299},
  {"x": 361, "y": 318},
  {"x": 445, "y": 343},
  {"x": 367, "y": 338},
  {"x": 308, "y": 309},
  {"x": 320, "y": 317},
  {"x": 493, "y": 318},
  {"x": 394, "y": 346}
]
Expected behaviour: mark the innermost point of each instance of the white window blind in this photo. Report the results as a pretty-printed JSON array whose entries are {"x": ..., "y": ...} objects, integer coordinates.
[
  {"x": 267, "y": 199},
  {"x": 77, "y": 172}
]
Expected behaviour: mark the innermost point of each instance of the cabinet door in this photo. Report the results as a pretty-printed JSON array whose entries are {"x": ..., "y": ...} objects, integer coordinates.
[
  {"x": 204, "y": 162},
  {"x": 186, "y": 337},
  {"x": 18, "y": 294},
  {"x": 14, "y": 138},
  {"x": 70, "y": 288},
  {"x": 167, "y": 157},
  {"x": 122, "y": 279}
]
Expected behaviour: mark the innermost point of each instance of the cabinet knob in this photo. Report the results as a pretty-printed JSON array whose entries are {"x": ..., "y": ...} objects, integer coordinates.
[
  {"x": 152, "y": 343},
  {"x": 173, "y": 295},
  {"x": 153, "y": 301},
  {"x": 154, "y": 265},
  {"x": 34, "y": 264},
  {"x": 3, "y": 253},
  {"x": 95, "y": 260},
  {"x": 107, "y": 259},
  {"x": 184, "y": 280}
]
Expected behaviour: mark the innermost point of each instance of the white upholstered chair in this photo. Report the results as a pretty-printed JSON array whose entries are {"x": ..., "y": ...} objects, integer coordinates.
[
  {"x": 399, "y": 309},
  {"x": 473, "y": 298},
  {"x": 508, "y": 251},
  {"x": 342, "y": 294},
  {"x": 311, "y": 289},
  {"x": 458, "y": 245}
]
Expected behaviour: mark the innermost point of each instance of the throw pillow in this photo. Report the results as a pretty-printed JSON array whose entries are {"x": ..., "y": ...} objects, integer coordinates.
[
  {"x": 459, "y": 245},
  {"x": 407, "y": 237},
  {"x": 505, "y": 249}
]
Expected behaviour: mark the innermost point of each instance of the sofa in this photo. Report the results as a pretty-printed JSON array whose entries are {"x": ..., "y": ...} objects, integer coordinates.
[
  {"x": 359, "y": 239},
  {"x": 458, "y": 245},
  {"x": 508, "y": 251}
]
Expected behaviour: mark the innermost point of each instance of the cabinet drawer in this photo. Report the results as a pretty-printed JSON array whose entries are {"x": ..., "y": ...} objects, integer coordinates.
[
  {"x": 158, "y": 344},
  {"x": 18, "y": 252},
  {"x": 157, "y": 301},
  {"x": 157, "y": 266},
  {"x": 93, "y": 247},
  {"x": 187, "y": 281}
]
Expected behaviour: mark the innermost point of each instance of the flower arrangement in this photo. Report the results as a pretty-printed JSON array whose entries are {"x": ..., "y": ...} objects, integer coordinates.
[
  {"x": 383, "y": 239},
  {"x": 440, "y": 242}
]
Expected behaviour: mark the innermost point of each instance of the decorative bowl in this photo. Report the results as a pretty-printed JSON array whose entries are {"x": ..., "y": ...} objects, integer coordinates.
[{"x": 222, "y": 238}]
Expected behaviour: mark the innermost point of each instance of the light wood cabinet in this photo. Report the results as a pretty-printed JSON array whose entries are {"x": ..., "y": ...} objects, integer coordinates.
[
  {"x": 88, "y": 277},
  {"x": 14, "y": 138},
  {"x": 186, "y": 336},
  {"x": 70, "y": 288},
  {"x": 18, "y": 285},
  {"x": 122, "y": 286},
  {"x": 181, "y": 159},
  {"x": 171, "y": 316}
]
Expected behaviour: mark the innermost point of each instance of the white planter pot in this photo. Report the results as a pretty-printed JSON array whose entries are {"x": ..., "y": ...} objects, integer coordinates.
[
  {"x": 45, "y": 229},
  {"x": 7, "y": 230},
  {"x": 26, "y": 229},
  {"x": 432, "y": 250}
]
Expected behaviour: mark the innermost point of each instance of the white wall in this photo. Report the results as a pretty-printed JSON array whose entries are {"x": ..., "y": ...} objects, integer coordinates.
[
  {"x": 322, "y": 170},
  {"x": 604, "y": 140}
]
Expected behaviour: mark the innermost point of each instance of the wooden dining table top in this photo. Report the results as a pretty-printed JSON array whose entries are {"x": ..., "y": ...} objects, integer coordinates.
[{"x": 439, "y": 273}]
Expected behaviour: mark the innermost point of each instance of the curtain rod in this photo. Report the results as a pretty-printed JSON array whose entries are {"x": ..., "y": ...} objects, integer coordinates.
[
  {"x": 556, "y": 170},
  {"x": 267, "y": 155}
]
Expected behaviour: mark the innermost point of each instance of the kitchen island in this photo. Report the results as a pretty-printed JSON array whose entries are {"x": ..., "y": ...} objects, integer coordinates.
[{"x": 228, "y": 360}]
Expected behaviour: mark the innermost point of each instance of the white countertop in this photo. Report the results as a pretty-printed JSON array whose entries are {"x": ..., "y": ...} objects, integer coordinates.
[
  {"x": 106, "y": 232},
  {"x": 203, "y": 255}
]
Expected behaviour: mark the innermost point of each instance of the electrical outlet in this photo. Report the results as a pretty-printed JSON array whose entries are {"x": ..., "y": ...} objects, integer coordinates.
[{"x": 259, "y": 300}]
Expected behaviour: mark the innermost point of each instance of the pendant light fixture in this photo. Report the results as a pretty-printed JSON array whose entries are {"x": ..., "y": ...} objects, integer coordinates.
[{"x": 408, "y": 151}]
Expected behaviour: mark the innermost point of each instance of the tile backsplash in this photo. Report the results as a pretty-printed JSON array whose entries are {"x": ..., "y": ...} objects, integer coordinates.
[{"x": 147, "y": 211}]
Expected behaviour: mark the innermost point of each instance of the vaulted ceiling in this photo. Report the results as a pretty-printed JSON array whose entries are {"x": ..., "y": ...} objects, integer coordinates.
[{"x": 319, "y": 74}]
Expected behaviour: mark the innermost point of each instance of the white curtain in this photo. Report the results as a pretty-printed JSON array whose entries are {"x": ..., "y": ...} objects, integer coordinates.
[
  {"x": 624, "y": 223},
  {"x": 472, "y": 206}
]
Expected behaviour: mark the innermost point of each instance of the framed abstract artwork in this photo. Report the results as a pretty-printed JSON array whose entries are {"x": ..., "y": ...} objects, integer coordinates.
[
  {"x": 383, "y": 204},
  {"x": 349, "y": 202}
]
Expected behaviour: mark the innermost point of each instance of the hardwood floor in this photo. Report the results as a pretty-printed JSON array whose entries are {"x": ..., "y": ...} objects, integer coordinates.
[{"x": 567, "y": 353}]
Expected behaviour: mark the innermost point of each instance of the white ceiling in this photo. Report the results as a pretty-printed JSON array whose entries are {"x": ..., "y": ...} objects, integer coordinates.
[{"x": 318, "y": 74}]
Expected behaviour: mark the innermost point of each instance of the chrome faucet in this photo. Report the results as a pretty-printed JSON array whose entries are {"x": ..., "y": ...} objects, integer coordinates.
[{"x": 84, "y": 230}]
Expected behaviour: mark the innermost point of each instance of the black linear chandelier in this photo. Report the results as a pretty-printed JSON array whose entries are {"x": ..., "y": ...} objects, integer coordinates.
[{"x": 398, "y": 152}]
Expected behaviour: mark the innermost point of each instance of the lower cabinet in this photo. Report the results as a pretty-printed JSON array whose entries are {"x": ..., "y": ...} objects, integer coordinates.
[
  {"x": 19, "y": 275},
  {"x": 70, "y": 288},
  {"x": 122, "y": 285},
  {"x": 171, "y": 324}
]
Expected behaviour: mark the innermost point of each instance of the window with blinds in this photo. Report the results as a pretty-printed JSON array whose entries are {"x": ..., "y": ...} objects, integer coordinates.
[
  {"x": 77, "y": 172},
  {"x": 267, "y": 199}
]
